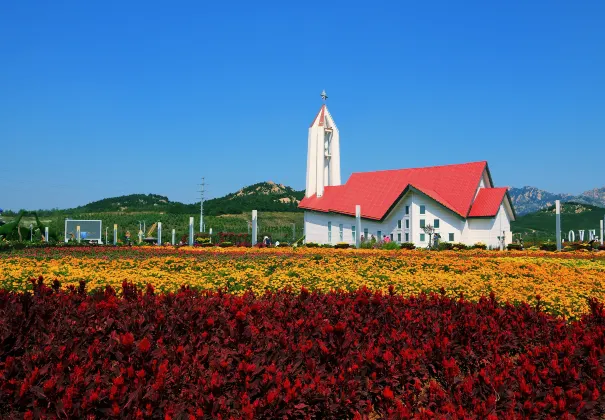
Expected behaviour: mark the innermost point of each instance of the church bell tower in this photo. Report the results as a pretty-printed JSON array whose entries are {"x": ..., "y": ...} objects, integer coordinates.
[{"x": 323, "y": 153}]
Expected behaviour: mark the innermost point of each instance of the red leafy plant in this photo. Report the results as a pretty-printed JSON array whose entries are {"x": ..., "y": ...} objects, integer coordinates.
[{"x": 192, "y": 354}]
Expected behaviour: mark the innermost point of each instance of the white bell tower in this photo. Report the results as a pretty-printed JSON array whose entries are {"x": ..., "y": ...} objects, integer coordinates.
[{"x": 323, "y": 154}]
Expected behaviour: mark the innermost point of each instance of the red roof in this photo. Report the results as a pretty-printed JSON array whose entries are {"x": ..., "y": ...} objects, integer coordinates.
[
  {"x": 454, "y": 186},
  {"x": 487, "y": 203},
  {"x": 320, "y": 115}
]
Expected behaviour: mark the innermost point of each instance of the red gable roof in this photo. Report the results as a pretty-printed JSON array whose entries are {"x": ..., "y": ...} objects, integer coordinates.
[
  {"x": 320, "y": 115},
  {"x": 454, "y": 186},
  {"x": 487, "y": 203}
]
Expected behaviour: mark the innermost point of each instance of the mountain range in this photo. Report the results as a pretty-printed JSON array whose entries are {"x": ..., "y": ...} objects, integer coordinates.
[{"x": 530, "y": 199}]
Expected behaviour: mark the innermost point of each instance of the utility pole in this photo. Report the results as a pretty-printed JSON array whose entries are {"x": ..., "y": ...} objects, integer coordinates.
[{"x": 202, "y": 191}]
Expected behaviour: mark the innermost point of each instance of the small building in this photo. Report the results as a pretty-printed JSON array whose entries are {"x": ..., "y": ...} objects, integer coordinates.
[{"x": 459, "y": 201}]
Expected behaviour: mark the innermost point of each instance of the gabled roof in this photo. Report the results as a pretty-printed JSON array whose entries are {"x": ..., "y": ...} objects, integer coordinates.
[
  {"x": 320, "y": 115},
  {"x": 454, "y": 186},
  {"x": 487, "y": 203}
]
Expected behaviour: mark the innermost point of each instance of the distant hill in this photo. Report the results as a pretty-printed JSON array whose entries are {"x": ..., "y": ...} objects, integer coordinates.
[
  {"x": 530, "y": 199},
  {"x": 574, "y": 216},
  {"x": 264, "y": 196}
]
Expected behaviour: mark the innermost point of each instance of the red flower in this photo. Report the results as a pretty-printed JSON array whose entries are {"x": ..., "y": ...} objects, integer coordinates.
[
  {"x": 127, "y": 339},
  {"x": 144, "y": 345},
  {"x": 240, "y": 316},
  {"x": 387, "y": 393}
]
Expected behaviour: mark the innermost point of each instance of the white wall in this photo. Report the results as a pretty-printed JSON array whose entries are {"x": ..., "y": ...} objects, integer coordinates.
[
  {"x": 487, "y": 230},
  {"x": 316, "y": 223}
]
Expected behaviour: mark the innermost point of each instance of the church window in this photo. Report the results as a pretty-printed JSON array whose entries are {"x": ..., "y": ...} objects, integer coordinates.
[
  {"x": 422, "y": 209},
  {"x": 353, "y": 237},
  {"x": 422, "y": 237},
  {"x": 407, "y": 223},
  {"x": 407, "y": 209},
  {"x": 422, "y": 223},
  {"x": 436, "y": 224},
  {"x": 341, "y": 232},
  {"x": 407, "y": 237},
  {"x": 329, "y": 232},
  {"x": 365, "y": 234},
  {"x": 379, "y": 236},
  {"x": 451, "y": 238},
  {"x": 398, "y": 224},
  {"x": 392, "y": 236},
  {"x": 399, "y": 237}
]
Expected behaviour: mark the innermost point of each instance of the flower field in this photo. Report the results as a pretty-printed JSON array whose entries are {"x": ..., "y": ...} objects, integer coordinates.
[
  {"x": 191, "y": 354},
  {"x": 159, "y": 332},
  {"x": 564, "y": 281}
]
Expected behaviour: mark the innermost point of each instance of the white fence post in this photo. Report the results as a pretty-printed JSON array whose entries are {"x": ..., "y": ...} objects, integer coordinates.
[{"x": 254, "y": 226}]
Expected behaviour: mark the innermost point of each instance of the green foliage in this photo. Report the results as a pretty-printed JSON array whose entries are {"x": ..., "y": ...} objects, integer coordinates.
[
  {"x": 390, "y": 245},
  {"x": 311, "y": 245},
  {"x": 479, "y": 245},
  {"x": 459, "y": 246},
  {"x": 514, "y": 247},
  {"x": 548, "y": 246},
  {"x": 408, "y": 245},
  {"x": 341, "y": 245},
  {"x": 445, "y": 246}
]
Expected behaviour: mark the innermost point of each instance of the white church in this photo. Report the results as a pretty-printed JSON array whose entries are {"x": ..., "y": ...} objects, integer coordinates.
[{"x": 459, "y": 201}]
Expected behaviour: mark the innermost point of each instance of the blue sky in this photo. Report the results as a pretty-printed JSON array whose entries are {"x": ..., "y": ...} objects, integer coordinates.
[{"x": 101, "y": 99}]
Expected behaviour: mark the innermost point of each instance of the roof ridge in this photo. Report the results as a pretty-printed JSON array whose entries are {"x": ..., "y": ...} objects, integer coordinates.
[{"x": 422, "y": 167}]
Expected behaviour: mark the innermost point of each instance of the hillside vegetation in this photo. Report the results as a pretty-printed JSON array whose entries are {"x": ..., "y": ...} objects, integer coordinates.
[{"x": 574, "y": 216}]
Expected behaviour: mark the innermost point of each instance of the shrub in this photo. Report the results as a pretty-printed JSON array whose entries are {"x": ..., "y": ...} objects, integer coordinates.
[
  {"x": 408, "y": 245},
  {"x": 390, "y": 245},
  {"x": 225, "y": 244},
  {"x": 548, "y": 246},
  {"x": 311, "y": 245},
  {"x": 342, "y": 245},
  {"x": 326, "y": 246},
  {"x": 367, "y": 245},
  {"x": 287, "y": 355},
  {"x": 445, "y": 246},
  {"x": 514, "y": 247},
  {"x": 479, "y": 245},
  {"x": 459, "y": 246}
]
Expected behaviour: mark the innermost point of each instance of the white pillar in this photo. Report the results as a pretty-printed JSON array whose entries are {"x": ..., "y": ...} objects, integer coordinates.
[
  {"x": 140, "y": 236},
  {"x": 191, "y": 231},
  {"x": 358, "y": 225},
  {"x": 115, "y": 234},
  {"x": 159, "y": 233},
  {"x": 591, "y": 234},
  {"x": 571, "y": 236},
  {"x": 173, "y": 237},
  {"x": 558, "y": 223},
  {"x": 46, "y": 232},
  {"x": 78, "y": 233},
  {"x": 254, "y": 226},
  {"x": 602, "y": 231}
]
